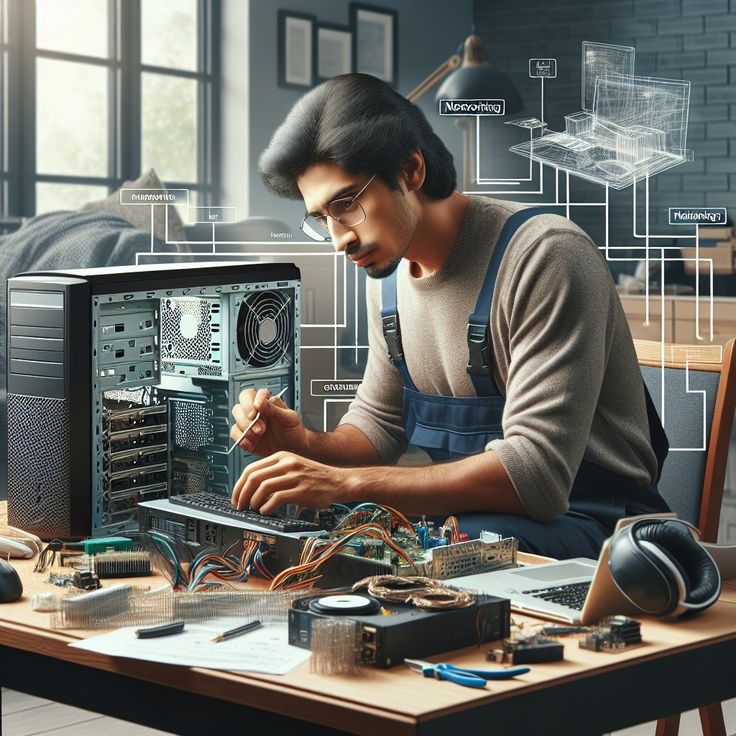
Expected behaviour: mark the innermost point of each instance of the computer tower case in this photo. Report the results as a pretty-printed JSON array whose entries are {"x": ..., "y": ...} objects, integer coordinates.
[{"x": 120, "y": 383}]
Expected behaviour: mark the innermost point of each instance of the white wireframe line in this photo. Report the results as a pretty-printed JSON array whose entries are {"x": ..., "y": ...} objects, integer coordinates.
[
  {"x": 542, "y": 103},
  {"x": 357, "y": 320},
  {"x": 702, "y": 448},
  {"x": 646, "y": 253},
  {"x": 334, "y": 314}
]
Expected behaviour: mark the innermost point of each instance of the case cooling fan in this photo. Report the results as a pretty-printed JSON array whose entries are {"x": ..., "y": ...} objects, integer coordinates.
[{"x": 264, "y": 328}]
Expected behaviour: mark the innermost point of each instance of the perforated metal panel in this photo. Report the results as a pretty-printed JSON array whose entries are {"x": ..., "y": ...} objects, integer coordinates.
[
  {"x": 192, "y": 425},
  {"x": 186, "y": 329},
  {"x": 39, "y": 465}
]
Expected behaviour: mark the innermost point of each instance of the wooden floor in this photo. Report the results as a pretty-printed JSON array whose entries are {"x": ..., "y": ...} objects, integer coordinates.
[{"x": 25, "y": 715}]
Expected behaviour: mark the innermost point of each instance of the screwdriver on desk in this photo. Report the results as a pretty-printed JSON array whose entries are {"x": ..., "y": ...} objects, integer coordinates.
[{"x": 255, "y": 419}]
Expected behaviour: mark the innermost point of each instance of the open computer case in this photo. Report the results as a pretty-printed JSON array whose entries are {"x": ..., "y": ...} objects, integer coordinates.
[{"x": 121, "y": 381}]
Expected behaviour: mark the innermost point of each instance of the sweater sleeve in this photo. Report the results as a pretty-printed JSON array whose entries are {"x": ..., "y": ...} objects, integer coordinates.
[
  {"x": 377, "y": 410},
  {"x": 555, "y": 316}
]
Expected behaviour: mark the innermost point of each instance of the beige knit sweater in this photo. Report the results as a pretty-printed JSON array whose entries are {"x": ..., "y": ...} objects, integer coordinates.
[{"x": 562, "y": 355}]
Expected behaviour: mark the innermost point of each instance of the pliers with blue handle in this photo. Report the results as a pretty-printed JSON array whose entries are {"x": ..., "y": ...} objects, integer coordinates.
[{"x": 462, "y": 675}]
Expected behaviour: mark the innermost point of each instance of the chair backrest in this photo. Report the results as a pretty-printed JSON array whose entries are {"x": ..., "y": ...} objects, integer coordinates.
[{"x": 698, "y": 404}]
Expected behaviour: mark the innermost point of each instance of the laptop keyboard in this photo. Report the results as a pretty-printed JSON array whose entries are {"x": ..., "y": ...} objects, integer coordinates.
[
  {"x": 572, "y": 595},
  {"x": 213, "y": 503}
]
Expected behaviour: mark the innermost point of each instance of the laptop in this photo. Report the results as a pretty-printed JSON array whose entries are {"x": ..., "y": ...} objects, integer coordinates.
[{"x": 574, "y": 591}]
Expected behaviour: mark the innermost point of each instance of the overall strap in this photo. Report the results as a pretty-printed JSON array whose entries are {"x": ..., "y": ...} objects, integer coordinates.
[
  {"x": 392, "y": 329},
  {"x": 479, "y": 336}
]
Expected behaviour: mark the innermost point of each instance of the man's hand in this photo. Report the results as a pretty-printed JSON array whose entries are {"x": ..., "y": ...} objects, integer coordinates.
[
  {"x": 279, "y": 427},
  {"x": 284, "y": 477}
]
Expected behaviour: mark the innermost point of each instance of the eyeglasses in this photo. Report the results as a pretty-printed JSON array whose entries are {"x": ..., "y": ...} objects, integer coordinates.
[{"x": 347, "y": 211}]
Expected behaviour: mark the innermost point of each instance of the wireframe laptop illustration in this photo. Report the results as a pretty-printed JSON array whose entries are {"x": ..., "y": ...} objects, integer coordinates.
[
  {"x": 629, "y": 127},
  {"x": 576, "y": 591}
]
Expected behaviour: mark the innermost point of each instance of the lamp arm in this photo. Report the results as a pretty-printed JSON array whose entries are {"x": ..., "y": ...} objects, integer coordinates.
[{"x": 439, "y": 73}]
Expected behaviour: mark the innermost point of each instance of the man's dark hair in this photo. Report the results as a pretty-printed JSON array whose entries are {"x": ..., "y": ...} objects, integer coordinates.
[{"x": 360, "y": 124}]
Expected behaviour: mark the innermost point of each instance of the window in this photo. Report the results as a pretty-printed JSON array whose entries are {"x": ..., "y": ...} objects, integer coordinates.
[
  {"x": 105, "y": 89},
  {"x": 3, "y": 105}
]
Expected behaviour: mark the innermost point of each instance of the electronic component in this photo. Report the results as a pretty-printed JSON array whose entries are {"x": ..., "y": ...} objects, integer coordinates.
[
  {"x": 121, "y": 564},
  {"x": 86, "y": 580},
  {"x": 395, "y": 631},
  {"x": 613, "y": 635},
  {"x": 368, "y": 540},
  {"x": 527, "y": 650}
]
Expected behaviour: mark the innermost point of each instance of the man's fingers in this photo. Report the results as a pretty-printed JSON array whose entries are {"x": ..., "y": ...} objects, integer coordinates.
[
  {"x": 267, "y": 488},
  {"x": 280, "y": 498},
  {"x": 245, "y": 486},
  {"x": 245, "y": 402}
]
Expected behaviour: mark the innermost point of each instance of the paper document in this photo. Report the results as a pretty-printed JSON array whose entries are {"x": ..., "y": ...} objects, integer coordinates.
[{"x": 264, "y": 650}]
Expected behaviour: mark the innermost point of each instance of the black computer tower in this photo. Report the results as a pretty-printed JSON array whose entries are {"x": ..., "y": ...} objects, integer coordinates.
[{"x": 120, "y": 383}]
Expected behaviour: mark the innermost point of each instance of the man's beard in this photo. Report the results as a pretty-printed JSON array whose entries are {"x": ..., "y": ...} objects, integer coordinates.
[{"x": 382, "y": 272}]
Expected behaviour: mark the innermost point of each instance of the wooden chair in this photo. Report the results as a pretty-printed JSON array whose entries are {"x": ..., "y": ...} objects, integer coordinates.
[{"x": 699, "y": 402}]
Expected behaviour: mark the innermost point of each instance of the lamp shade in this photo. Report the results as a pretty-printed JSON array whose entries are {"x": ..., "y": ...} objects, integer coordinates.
[
  {"x": 481, "y": 82},
  {"x": 476, "y": 80}
]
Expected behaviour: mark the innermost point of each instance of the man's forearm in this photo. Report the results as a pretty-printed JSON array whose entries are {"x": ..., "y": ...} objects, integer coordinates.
[
  {"x": 346, "y": 445},
  {"x": 476, "y": 483}
]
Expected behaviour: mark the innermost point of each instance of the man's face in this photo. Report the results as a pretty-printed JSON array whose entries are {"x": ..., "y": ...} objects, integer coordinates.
[{"x": 379, "y": 242}]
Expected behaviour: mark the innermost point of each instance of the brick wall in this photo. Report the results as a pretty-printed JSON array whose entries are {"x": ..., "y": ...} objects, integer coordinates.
[{"x": 693, "y": 40}]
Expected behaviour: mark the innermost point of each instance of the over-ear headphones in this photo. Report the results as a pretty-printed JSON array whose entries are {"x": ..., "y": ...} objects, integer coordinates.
[{"x": 662, "y": 569}]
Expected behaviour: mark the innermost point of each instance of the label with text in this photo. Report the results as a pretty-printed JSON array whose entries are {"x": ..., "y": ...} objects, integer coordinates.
[
  {"x": 543, "y": 68},
  {"x": 329, "y": 387},
  {"x": 154, "y": 196},
  {"x": 698, "y": 216},
  {"x": 472, "y": 107}
]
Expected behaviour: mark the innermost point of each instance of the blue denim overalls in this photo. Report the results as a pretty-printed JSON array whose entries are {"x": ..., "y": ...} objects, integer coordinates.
[{"x": 453, "y": 427}]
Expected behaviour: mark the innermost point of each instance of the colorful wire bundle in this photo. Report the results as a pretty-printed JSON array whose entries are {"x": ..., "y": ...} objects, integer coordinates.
[
  {"x": 397, "y": 517},
  {"x": 222, "y": 567},
  {"x": 315, "y": 553}
]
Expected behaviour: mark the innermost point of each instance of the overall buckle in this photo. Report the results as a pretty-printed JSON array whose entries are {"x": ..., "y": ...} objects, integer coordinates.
[
  {"x": 392, "y": 335},
  {"x": 479, "y": 341}
]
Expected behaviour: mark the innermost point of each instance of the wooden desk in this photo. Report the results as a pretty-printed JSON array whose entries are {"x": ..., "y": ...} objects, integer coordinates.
[{"x": 683, "y": 665}]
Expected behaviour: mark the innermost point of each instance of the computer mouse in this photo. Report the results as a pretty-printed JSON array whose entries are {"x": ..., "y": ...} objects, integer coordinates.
[{"x": 11, "y": 587}]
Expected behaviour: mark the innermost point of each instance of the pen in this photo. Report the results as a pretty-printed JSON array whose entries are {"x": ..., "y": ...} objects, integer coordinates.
[
  {"x": 175, "y": 627},
  {"x": 255, "y": 419},
  {"x": 244, "y": 629}
]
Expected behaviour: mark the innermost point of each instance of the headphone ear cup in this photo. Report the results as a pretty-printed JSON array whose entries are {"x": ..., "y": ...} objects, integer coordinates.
[
  {"x": 669, "y": 566},
  {"x": 661, "y": 569},
  {"x": 697, "y": 566},
  {"x": 641, "y": 575}
]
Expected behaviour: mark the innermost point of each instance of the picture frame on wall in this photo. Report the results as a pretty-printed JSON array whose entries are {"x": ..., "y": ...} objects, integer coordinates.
[
  {"x": 334, "y": 51},
  {"x": 375, "y": 41},
  {"x": 297, "y": 49}
]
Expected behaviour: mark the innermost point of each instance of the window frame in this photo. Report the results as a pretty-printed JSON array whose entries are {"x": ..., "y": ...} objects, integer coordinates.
[{"x": 124, "y": 103}]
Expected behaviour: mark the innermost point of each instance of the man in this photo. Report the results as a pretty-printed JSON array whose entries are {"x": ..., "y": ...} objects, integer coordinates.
[{"x": 516, "y": 373}]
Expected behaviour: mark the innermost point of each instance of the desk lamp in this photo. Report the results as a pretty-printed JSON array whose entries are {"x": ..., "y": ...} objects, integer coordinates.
[{"x": 470, "y": 78}]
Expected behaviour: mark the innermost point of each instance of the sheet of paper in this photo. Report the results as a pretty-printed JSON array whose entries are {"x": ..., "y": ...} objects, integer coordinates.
[{"x": 264, "y": 650}]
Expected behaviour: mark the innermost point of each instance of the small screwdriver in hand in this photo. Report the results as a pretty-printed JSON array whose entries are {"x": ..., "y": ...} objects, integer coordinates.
[{"x": 255, "y": 419}]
